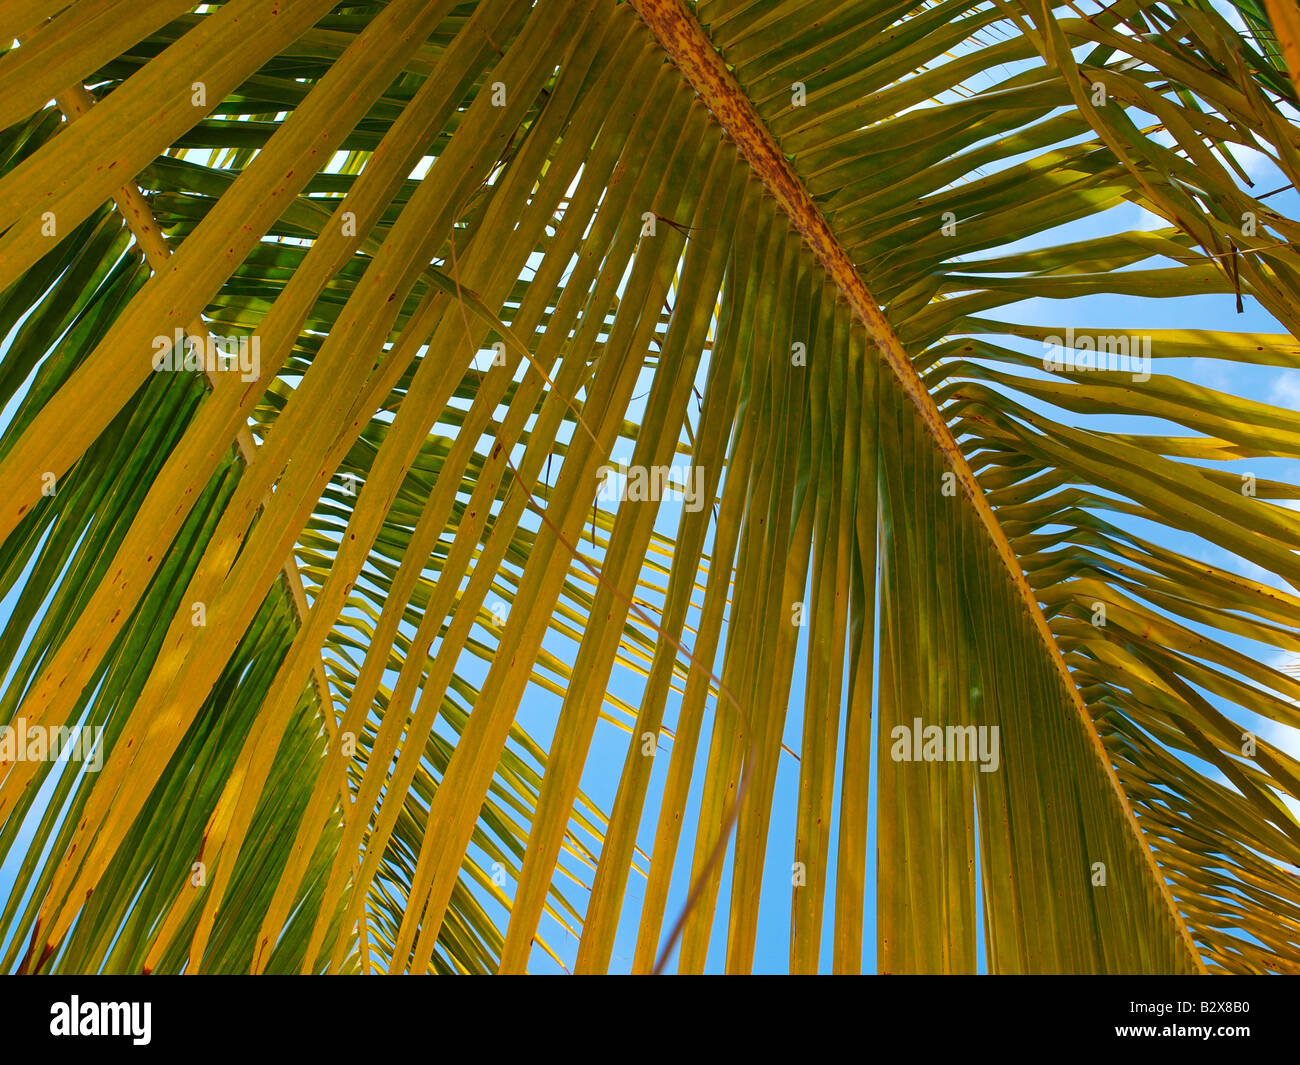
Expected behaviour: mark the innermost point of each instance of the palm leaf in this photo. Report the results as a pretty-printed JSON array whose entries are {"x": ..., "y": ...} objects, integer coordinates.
[{"x": 387, "y": 683}]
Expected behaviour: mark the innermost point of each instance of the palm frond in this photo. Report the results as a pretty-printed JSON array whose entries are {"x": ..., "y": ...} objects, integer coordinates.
[{"x": 388, "y": 683}]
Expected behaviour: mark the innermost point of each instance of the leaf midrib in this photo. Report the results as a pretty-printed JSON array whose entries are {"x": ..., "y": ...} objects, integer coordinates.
[{"x": 700, "y": 63}]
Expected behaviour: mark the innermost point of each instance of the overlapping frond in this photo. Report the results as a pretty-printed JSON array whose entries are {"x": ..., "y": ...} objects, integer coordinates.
[{"x": 387, "y": 680}]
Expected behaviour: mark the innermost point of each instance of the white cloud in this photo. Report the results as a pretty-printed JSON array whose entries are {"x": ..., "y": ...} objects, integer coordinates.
[{"x": 1286, "y": 390}]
